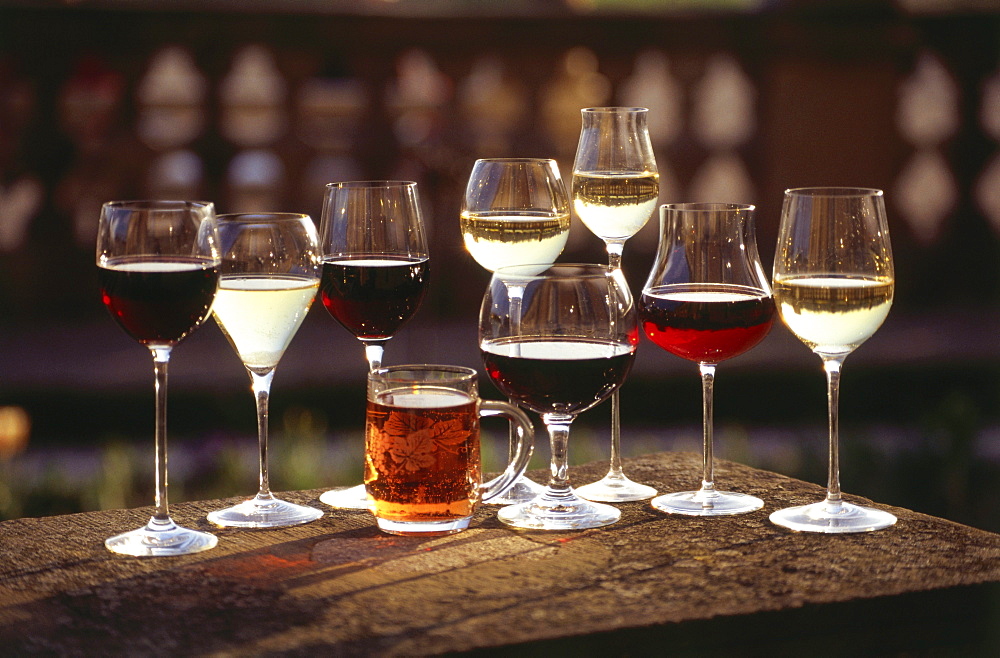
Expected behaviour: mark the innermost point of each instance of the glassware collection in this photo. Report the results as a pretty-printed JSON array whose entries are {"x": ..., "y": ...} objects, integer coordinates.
[{"x": 556, "y": 338}]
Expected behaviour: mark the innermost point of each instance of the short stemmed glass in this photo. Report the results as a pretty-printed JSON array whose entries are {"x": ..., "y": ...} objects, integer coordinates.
[
  {"x": 375, "y": 272},
  {"x": 269, "y": 278},
  {"x": 833, "y": 286},
  {"x": 572, "y": 348},
  {"x": 515, "y": 212},
  {"x": 158, "y": 264},
  {"x": 615, "y": 190},
  {"x": 707, "y": 299}
]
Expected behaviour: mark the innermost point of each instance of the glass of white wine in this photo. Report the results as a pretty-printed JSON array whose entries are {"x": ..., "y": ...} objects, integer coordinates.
[
  {"x": 616, "y": 187},
  {"x": 515, "y": 213},
  {"x": 269, "y": 278},
  {"x": 833, "y": 285}
]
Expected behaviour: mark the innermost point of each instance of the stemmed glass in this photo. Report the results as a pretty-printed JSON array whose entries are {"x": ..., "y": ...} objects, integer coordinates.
[
  {"x": 375, "y": 272},
  {"x": 269, "y": 278},
  {"x": 158, "y": 265},
  {"x": 615, "y": 190},
  {"x": 515, "y": 212},
  {"x": 707, "y": 299},
  {"x": 571, "y": 349},
  {"x": 833, "y": 286}
]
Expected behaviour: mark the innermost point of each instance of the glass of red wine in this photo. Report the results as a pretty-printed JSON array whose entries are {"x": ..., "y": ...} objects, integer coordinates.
[
  {"x": 571, "y": 347},
  {"x": 706, "y": 300},
  {"x": 375, "y": 272},
  {"x": 158, "y": 265}
]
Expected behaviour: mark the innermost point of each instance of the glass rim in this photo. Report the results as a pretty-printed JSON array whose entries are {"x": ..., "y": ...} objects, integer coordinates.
[
  {"x": 582, "y": 269},
  {"x": 371, "y": 184},
  {"x": 834, "y": 191},
  {"x": 260, "y": 217},
  {"x": 517, "y": 160},
  {"x": 460, "y": 373},
  {"x": 158, "y": 204},
  {"x": 615, "y": 108},
  {"x": 708, "y": 206}
]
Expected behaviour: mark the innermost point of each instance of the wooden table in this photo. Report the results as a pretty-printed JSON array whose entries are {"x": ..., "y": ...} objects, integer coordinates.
[{"x": 651, "y": 582}]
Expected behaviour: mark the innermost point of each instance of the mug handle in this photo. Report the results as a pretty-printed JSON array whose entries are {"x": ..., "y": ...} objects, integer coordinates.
[{"x": 524, "y": 446}]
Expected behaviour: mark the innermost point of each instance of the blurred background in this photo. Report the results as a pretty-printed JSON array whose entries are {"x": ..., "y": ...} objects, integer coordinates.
[{"x": 256, "y": 105}]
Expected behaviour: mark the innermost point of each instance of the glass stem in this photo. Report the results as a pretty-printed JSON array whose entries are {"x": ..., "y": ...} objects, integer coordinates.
[
  {"x": 832, "y": 366},
  {"x": 261, "y": 386},
  {"x": 373, "y": 352},
  {"x": 708, "y": 422},
  {"x": 615, "y": 250},
  {"x": 161, "y": 357},
  {"x": 558, "y": 427}
]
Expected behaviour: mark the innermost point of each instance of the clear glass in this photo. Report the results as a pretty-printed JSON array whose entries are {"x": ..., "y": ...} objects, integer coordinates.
[
  {"x": 565, "y": 348},
  {"x": 158, "y": 264},
  {"x": 616, "y": 187},
  {"x": 269, "y": 277},
  {"x": 515, "y": 212},
  {"x": 375, "y": 272},
  {"x": 706, "y": 300},
  {"x": 833, "y": 286}
]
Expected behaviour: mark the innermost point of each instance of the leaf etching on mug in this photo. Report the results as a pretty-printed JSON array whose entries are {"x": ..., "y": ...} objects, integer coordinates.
[{"x": 413, "y": 441}]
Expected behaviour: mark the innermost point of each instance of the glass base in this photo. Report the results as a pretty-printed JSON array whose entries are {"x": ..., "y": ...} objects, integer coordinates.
[
  {"x": 264, "y": 512},
  {"x": 615, "y": 488},
  {"x": 559, "y": 512},
  {"x": 161, "y": 539},
  {"x": 707, "y": 503},
  {"x": 348, "y": 498},
  {"x": 523, "y": 490},
  {"x": 832, "y": 517},
  {"x": 423, "y": 528}
]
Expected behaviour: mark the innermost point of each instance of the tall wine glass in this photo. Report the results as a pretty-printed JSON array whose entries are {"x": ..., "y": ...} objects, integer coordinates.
[
  {"x": 571, "y": 349},
  {"x": 158, "y": 264},
  {"x": 706, "y": 300},
  {"x": 269, "y": 278},
  {"x": 375, "y": 272},
  {"x": 615, "y": 190},
  {"x": 515, "y": 212},
  {"x": 833, "y": 286}
]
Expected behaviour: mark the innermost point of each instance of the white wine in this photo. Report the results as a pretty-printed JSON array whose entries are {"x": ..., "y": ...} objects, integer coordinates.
[
  {"x": 497, "y": 240},
  {"x": 260, "y": 315},
  {"x": 833, "y": 315},
  {"x": 614, "y": 206}
]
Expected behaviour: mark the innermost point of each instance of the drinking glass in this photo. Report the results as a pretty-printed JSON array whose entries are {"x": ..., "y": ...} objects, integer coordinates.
[
  {"x": 706, "y": 300},
  {"x": 375, "y": 272},
  {"x": 515, "y": 212},
  {"x": 833, "y": 286},
  {"x": 158, "y": 266},
  {"x": 269, "y": 278},
  {"x": 571, "y": 349},
  {"x": 615, "y": 189}
]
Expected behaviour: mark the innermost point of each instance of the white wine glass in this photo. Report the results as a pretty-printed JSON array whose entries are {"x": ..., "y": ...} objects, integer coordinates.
[
  {"x": 515, "y": 212},
  {"x": 571, "y": 348},
  {"x": 833, "y": 286},
  {"x": 158, "y": 266},
  {"x": 269, "y": 278},
  {"x": 616, "y": 187},
  {"x": 375, "y": 272}
]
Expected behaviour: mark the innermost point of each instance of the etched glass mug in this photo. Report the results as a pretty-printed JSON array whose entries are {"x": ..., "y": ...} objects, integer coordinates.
[{"x": 423, "y": 471}]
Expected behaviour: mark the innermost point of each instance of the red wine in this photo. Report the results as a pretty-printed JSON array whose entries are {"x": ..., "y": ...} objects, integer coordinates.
[
  {"x": 159, "y": 302},
  {"x": 373, "y": 296},
  {"x": 557, "y": 375},
  {"x": 706, "y": 323}
]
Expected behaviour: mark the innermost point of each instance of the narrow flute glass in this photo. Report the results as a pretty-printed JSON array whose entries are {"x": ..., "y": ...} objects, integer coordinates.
[
  {"x": 833, "y": 286},
  {"x": 375, "y": 272},
  {"x": 158, "y": 263},
  {"x": 706, "y": 300},
  {"x": 615, "y": 190},
  {"x": 269, "y": 278}
]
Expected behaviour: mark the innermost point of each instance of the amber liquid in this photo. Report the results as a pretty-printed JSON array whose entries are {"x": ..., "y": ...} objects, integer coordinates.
[{"x": 422, "y": 461}]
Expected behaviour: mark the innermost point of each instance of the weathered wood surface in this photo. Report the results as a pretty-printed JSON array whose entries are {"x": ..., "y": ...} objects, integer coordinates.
[{"x": 733, "y": 585}]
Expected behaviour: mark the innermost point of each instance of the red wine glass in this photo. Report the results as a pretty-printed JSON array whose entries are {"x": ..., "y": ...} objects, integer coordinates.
[
  {"x": 158, "y": 265},
  {"x": 706, "y": 300},
  {"x": 375, "y": 272}
]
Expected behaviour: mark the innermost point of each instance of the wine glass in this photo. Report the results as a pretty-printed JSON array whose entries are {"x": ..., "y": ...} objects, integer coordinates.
[
  {"x": 375, "y": 272},
  {"x": 515, "y": 212},
  {"x": 573, "y": 346},
  {"x": 269, "y": 278},
  {"x": 833, "y": 286},
  {"x": 158, "y": 266},
  {"x": 707, "y": 299},
  {"x": 615, "y": 190}
]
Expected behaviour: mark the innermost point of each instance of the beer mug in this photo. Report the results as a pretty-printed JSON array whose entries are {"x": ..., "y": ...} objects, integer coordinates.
[{"x": 423, "y": 473}]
